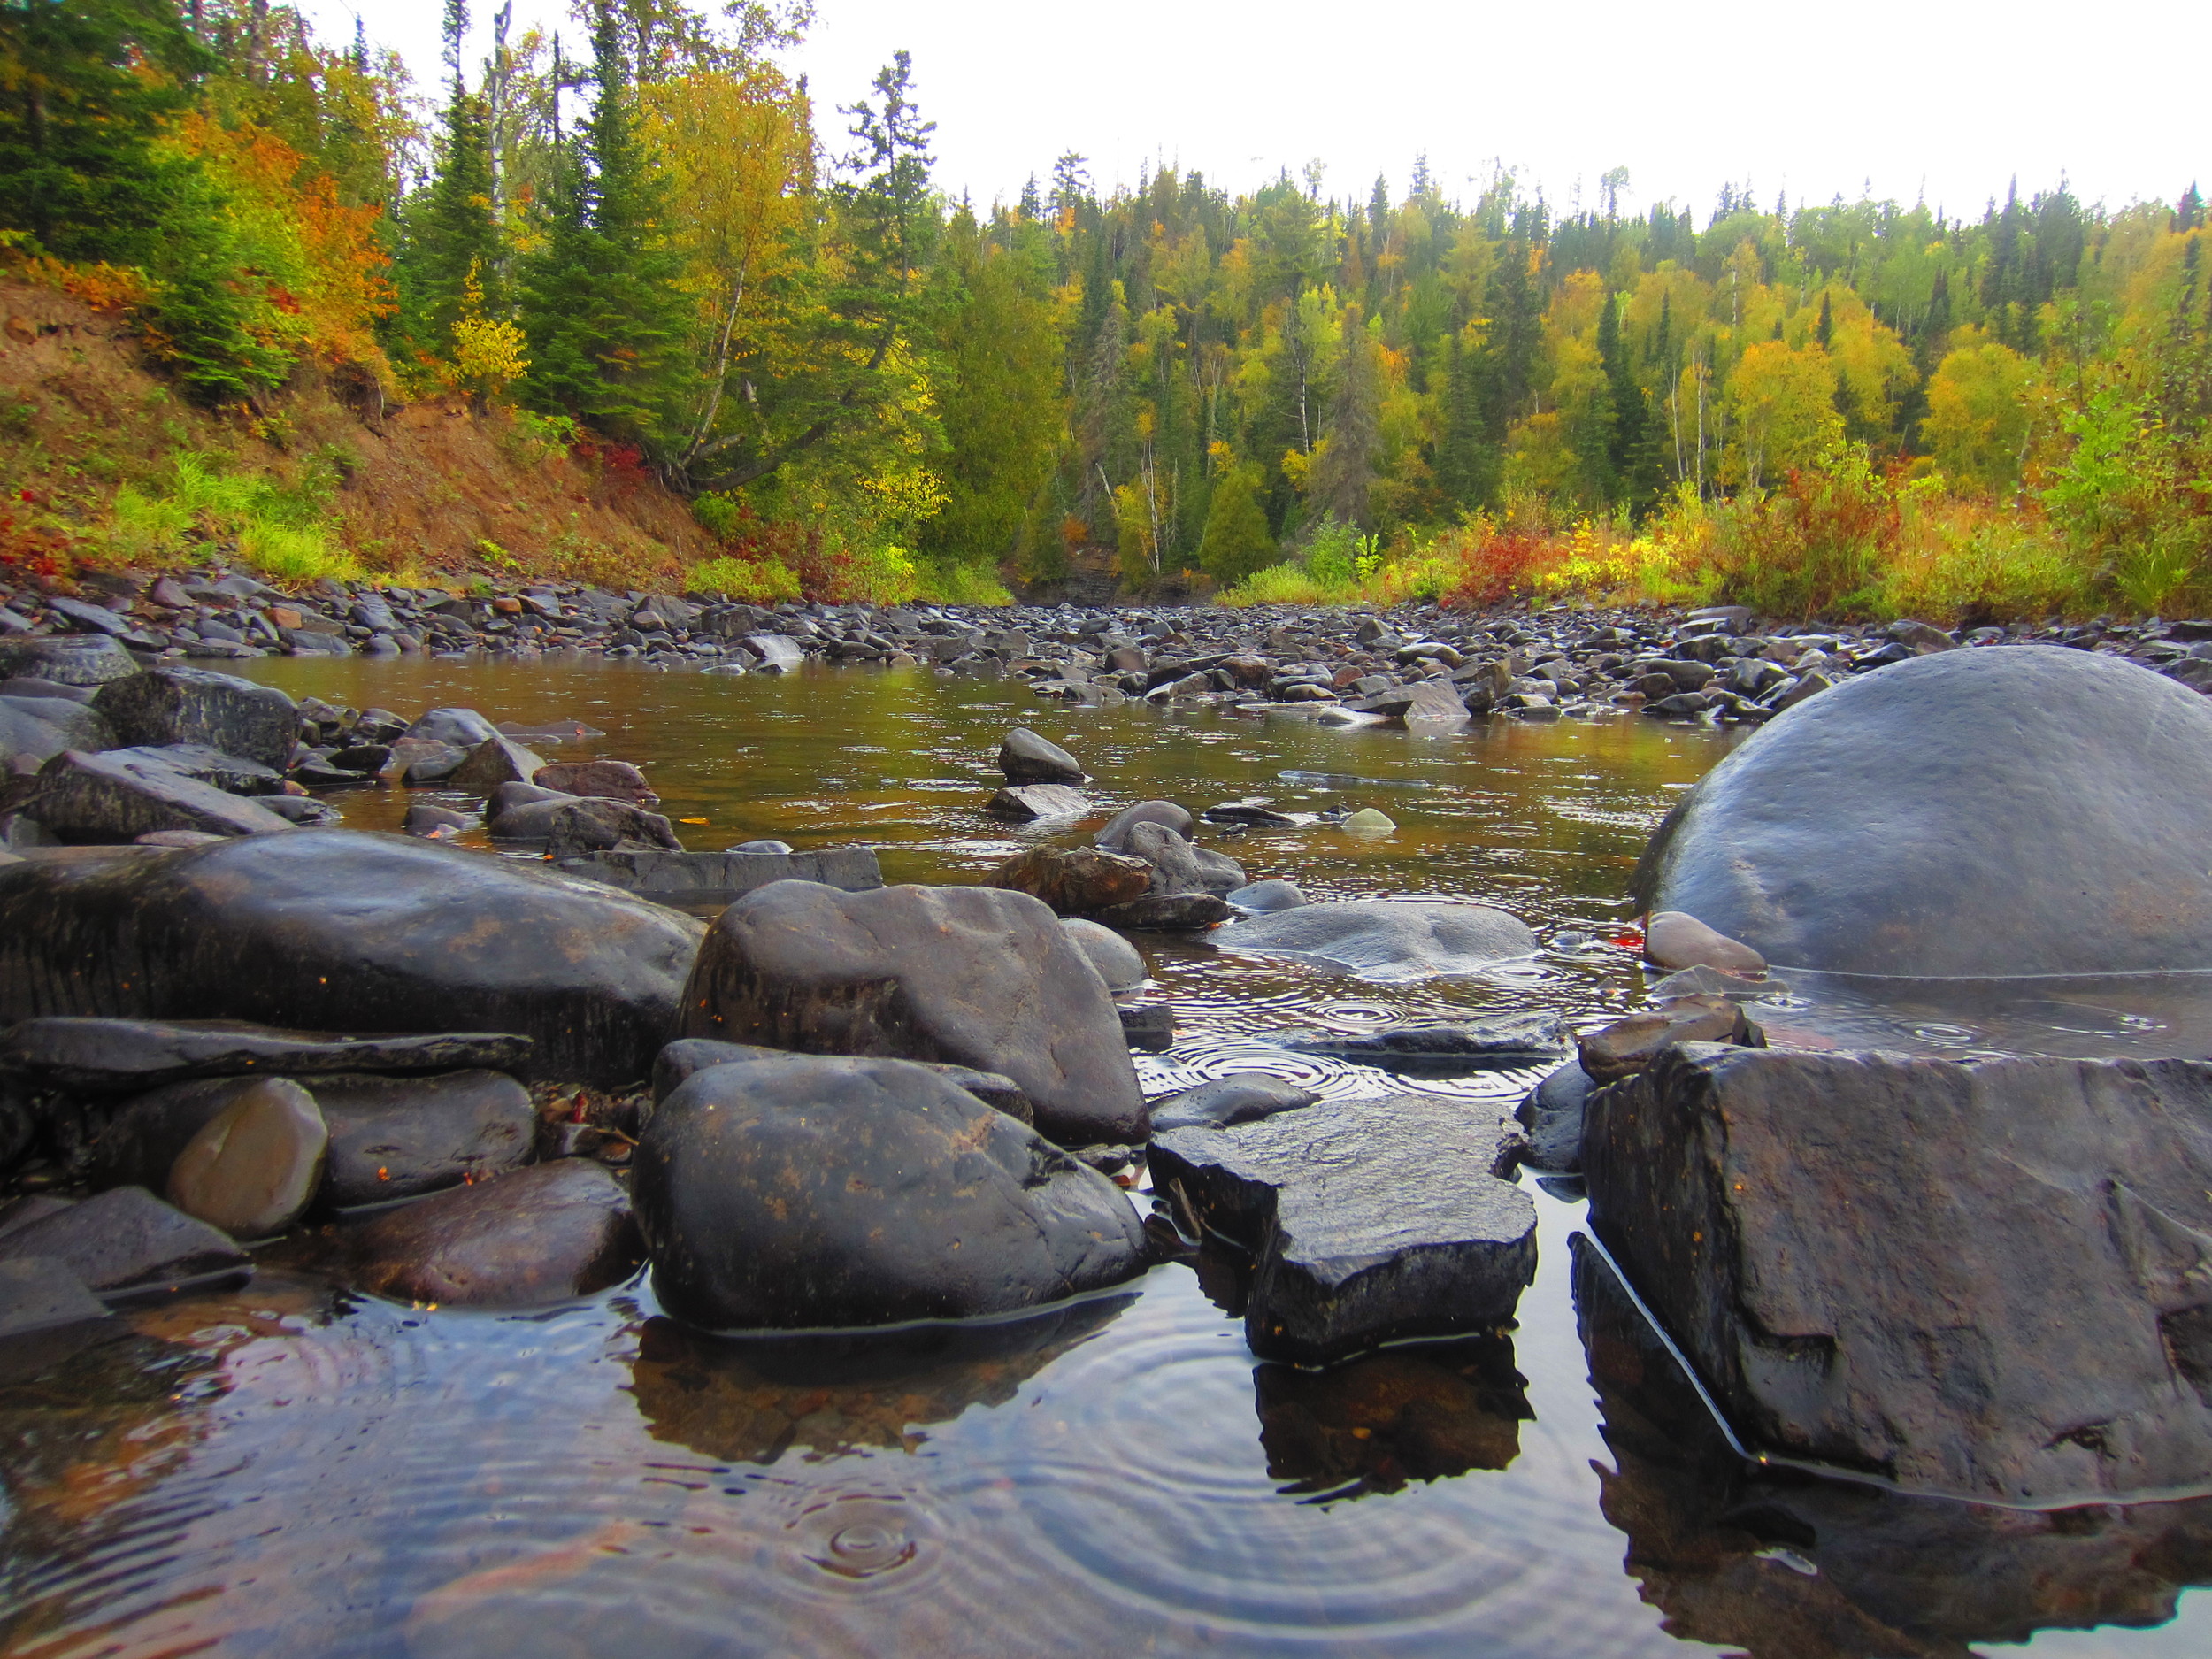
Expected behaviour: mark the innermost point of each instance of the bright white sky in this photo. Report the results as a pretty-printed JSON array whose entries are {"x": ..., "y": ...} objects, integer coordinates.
[{"x": 1949, "y": 98}]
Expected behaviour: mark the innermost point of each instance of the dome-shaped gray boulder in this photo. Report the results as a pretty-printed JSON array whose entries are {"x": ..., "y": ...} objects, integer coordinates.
[
  {"x": 2010, "y": 810},
  {"x": 1385, "y": 938}
]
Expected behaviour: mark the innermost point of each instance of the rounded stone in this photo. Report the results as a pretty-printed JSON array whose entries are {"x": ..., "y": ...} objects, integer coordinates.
[
  {"x": 1118, "y": 961},
  {"x": 1115, "y": 837},
  {"x": 1386, "y": 939},
  {"x": 2020, "y": 810},
  {"x": 1368, "y": 821},
  {"x": 1026, "y": 757},
  {"x": 255, "y": 1165},
  {"x": 1674, "y": 939}
]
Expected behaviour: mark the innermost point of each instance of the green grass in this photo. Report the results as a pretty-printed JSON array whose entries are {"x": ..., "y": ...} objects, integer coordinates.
[{"x": 279, "y": 529}]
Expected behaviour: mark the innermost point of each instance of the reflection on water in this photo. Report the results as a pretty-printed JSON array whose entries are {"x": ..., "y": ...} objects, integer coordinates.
[{"x": 282, "y": 1470}]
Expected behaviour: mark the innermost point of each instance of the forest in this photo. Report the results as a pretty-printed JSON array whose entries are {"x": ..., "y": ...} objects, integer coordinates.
[{"x": 641, "y": 242}]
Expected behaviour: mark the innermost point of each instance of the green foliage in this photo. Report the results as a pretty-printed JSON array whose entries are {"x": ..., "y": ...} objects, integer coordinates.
[
  {"x": 953, "y": 582},
  {"x": 1237, "y": 541},
  {"x": 756, "y": 581},
  {"x": 278, "y": 528}
]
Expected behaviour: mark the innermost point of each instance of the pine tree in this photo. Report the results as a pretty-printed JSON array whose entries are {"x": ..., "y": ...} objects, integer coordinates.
[
  {"x": 1237, "y": 541},
  {"x": 600, "y": 307},
  {"x": 1344, "y": 473}
]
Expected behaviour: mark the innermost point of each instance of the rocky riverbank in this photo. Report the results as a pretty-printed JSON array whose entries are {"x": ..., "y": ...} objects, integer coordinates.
[{"x": 1418, "y": 663}]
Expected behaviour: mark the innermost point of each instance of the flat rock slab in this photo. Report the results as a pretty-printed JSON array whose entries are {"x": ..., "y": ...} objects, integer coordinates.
[
  {"x": 125, "y": 1240},
  {"x": 120, "y": 1055},
  {"x": 1371, "y": 1219},
  {"x": 1989, "y": 1279},
  {"x": 81, "y": 797},
  {"x": 38, "y": 1293},
  {"x": 974, "y": 976},
  {"x": 542, "y": 1235},
  {"x": 231, "y": 773},
  {"x": 1025, "y": 802},
  {"x": 330, "y": 929},
  {"x": 1855, "y": 833},
  {"x": 1386, "y": 939},
  {"x": 724, "y": 878},
  {"x": 1241, "y": 1097},
  {"x": 810, "y": 1191},
  {"x": 1514, "y": 1040}
]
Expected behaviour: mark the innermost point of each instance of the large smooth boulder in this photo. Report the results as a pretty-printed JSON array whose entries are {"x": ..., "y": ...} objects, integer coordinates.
[
  {"x": 546, "y": 1233},
  {"x": 340, "y": 929},
  {"x": 102, "y": 798},
  {"x": 975, "y": 976},
  {"x": 810, "y": 1191},
  {"x": 1386, "y": 939},
  {"x": 1991, "y": 1278},
  {"x": 119, "y": 1056},
  {"x": 2016, "y": 810},
  {"x": 1371, "y": 1220},
  {"x": 196, "y": 705}
]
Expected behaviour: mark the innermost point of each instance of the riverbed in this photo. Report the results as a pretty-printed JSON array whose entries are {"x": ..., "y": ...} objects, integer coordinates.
[{"x": 288, "y": 1470}]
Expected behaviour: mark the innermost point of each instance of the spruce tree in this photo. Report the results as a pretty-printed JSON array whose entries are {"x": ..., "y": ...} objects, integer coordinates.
[
  {"x": 1237, "y": 541},
  {"x": 598, "y": 299}
]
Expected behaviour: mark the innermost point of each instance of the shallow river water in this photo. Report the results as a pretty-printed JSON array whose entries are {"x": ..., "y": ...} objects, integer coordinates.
[{"x": 287, "y": 1471}]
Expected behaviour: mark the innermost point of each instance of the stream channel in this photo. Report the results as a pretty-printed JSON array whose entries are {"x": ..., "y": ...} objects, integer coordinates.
[{"x": 290, "y": 1470}]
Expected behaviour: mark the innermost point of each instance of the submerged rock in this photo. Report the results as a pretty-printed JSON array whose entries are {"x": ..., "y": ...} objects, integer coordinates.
[
  {"x": 1972, "y": 812},
  {"x": 1025, "y": 802},
  {"x": 1512, "y": 1040},
  {"x": 255, "y": 1165},
  {"x": 1991, "y": 1278},
  {"x": 327, "y": 929},
  {"x": 541, "y": 1235},
  {"x": 1274, "y": 893},
  {"x": 112, "y": 1055},
  {"x": 809, "y": 1192},
  {"x": 975, "y": 976},
  {"x": 1166, "y": 913},
  {"x": 1386, "y": 939},
  {"x": 1373, "y": 1219}
]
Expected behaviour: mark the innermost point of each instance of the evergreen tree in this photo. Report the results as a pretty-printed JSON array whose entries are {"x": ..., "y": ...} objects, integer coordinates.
[
  {"x": 451, "y": 236},
  {"x": 1344, "y": 473},
  {"x": 1237, "y": 541},
  {"x": 600, "y": 308}
]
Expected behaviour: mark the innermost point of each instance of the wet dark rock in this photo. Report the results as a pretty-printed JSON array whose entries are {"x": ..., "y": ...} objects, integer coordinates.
[
  {"x": 1767, "y": 1561},
  {"x": 1149, "y": 1029},
  {"x": 545, "y": 1234},
  {"x": 1166, "y": 913},
  {"x": 1427, "y": 1411},
  {"x": 324, "y": 928},
  {"x": 394, "y": 1137},
  {"x": 1024, "y": 802},
  {"x": 1703, "y": 981},
  {"x": 615, "y": 780},
  {"x": 1114, "y": 838},
  {"x": 78, "y": 659},
  {"x": 1673, "y": 939},
  {"x": 126, "y": 1240},
  {"x": 1274, "y": 893},
  {"x": 437, "y": 823},
  {"x": 703, "y": 879},
  {"x": 1386, "y": 939},
  {"x": 1119, "y": 964},
  {"x": 1856, "y": 832},
  {"x": 681, "y": 1059},
  {"x": 1242, "y": 1097},
  {"x": 1026, "y": 757},
  {"x": 494, "y": 761},
  {"x": 1552, "y": 1113},
  {"x": 1178, "y": 866},
  {"x": 299, "y": 810},
  {"x": 810, "y": 1191},
  {"x": 99, "y": 1055},
  {"x": 419, "y": 761},
  {"x": 196, "y": 705},
  {"x": 571, "y": 827},
  {"x": 1372, "y": 1219},
  {"x": 255, "y": 1165},
  {"x": 1512, "y": 1040},
  {"x": 38, "y": 728},
  {"x": 1073, "y": 880},
  {"x": 1633, "y": 1042},
  {"x": 463, "y": 729},
  {"x": 1987, "y": 1278},
  {"x": 38, "y": 1293},
  {"x": 99, "y": 798},
  {"x": 975, "y": 976},
  {"x": 1251, "y": 814}
]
